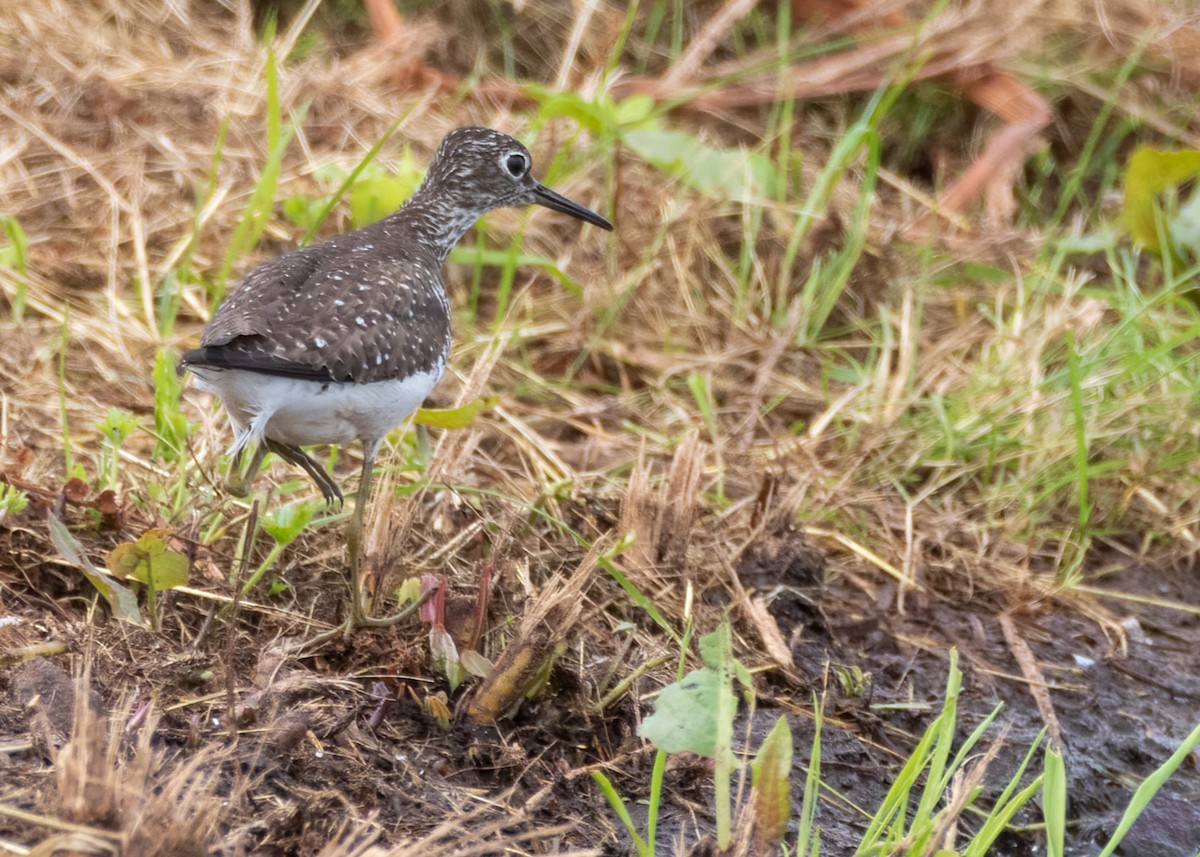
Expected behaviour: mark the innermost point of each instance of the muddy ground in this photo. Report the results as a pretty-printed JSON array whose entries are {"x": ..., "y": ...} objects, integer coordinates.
[{"x": 344, "y": 734}]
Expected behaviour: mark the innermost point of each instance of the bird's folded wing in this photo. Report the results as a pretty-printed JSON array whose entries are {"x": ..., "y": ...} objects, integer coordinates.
[{"x": 357, "y": 317}]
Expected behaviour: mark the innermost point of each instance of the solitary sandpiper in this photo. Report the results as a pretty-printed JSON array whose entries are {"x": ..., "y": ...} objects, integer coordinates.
[{"x": 343, "y": 340}]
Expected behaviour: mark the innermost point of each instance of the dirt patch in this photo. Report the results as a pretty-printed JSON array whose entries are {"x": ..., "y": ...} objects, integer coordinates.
[
  {"x": 347, "y": 734},
  {"x": 1124, "y": 705}
]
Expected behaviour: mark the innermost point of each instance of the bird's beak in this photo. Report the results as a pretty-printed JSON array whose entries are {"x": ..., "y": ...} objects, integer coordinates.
[{"x": 542, "y": 195}]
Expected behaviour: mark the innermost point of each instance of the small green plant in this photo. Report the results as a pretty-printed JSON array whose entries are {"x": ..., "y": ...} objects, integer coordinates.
[
  {"x": 852, "y": 681},
  {"x": 808, "y": 835},
  {"x": 443, "y": 653},
  {"x": 258, "y": 209},
  {"x": 284, "y": 524},
  {"x": 770, "y": 794},
  {"x": 695, "y": 714},
  {"x": 373, "y": 191},
  {"x": 933, "y": 788},
  {"x": 121, "y": 600},
  {"x": 12, "y": 256},
  {"x": 171, "y": 427},
  {"x": 150, "y": 562},
  {"x": 1157, "y": 215},
  {"x": 722, "y": 173},
  {"x": 171, "y": 430},
  {"x": 646, "y": 846},
  {"x": 920, "y": 812},
  {"x": 116, "y": 426},
  {"x": 1054, "y": 800},
  {"x": 13, "y": 501}
]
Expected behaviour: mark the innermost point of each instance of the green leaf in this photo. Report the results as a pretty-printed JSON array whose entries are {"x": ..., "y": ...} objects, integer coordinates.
[
  {"x": 598, "y": 115},
  {"x": 117, "y": 425},
  {"x": 166, "y": 571},
  {"x": 170, "y": 424},
  {"x": 13, "y": 501},
  {"x": 455, "y": 418},
  {"x": 376, "y": 193},
  {"x": 288, "y": 521},
  {"x": 14, "y": 256},
  {"x": 444, "y": 654},
  {"x": 1149, "y": 787},
  {"x": 716, "y": 649},
  {"x": 476, "y": 664},
  {"x": 635, "y": 109},
  {"x": 769, "y": 793},
  {"x": 1150, "y": 172},
  {"x": 1054, "y": 801},
  {"x": 408, "y": 591},
  {"x": 736, "y": 174},
  {"x": 690, "y": 713},
  {"x": 361, "y": 169},
  {"x": 685, "y": 715},
  {"x": 120, "y": 600},
  {"x": 1185, "y": 228},
  {"x": 304, "y": 212},
  {"x": 150, "y": 562},
  {"x": 503, "y": 258}
]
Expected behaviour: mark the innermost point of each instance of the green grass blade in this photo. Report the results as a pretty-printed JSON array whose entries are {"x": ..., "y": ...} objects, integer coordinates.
[
  {"x": 1000, "y": 819},
  {"x": 822, "y": 293},
  {"x": 657, "y": 777},
  {"x": 350, "y": 179},
  {"x": 1006, "y": 806},
  {"x": 636, "y": 595},
  {"x": 258, "y": 209},
  {"x": 946, "y": 722},
  {"x": 807, "y": 834},
  {"x": 968, "y": 745},
  {"x": 63, "y": 414},
  {"x": 14, "y": 256},
  {"x": 1054, "y": 801},
  {"x": 1075, "y": 178},
  {"x": 1075, "y": 375},
  {"x": 1149, "y": 788},
  {"x": 508, "y": 274},
  {"x": 896, "y": 800},
  {"x": 618, "y": 806}
]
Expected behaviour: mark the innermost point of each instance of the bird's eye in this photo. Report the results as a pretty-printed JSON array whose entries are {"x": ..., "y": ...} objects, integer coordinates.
[{"x": 516, "y": 164}]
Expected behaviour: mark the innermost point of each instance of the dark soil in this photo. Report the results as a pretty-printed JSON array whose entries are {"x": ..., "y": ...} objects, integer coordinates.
[
  {"x": 1123, "y": 711},
  {"x": 350, "y": 734}
]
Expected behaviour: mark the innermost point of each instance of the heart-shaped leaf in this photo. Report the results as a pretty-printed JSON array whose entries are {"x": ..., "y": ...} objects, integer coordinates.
[
  {"x": 150, "y": 562},
  {"x": 1150, "y": 172}
]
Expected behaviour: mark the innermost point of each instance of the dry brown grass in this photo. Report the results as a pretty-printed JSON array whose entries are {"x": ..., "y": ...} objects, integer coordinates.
[{"x": 107, "y": 126}]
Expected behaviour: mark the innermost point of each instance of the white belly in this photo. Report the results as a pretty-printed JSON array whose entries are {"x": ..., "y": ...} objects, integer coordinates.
[{"x": 303, "y": 413}]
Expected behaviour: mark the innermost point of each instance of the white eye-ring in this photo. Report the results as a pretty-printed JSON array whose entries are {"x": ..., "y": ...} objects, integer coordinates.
[{"x": 515, "y": 164}]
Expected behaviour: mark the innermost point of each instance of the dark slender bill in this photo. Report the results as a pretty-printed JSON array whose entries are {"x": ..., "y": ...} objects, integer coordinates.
[{"x": 558, "y": 202}]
